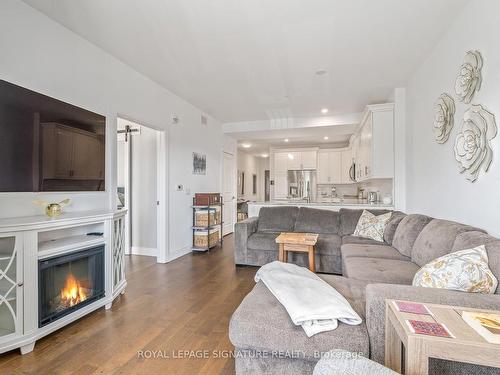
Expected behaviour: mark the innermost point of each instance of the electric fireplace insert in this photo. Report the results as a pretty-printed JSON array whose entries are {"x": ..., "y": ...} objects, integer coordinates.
[{"x": 69, "y": 282}]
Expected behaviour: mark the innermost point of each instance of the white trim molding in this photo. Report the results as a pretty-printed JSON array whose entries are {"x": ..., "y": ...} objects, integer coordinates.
[{"x": 145, "y": 251}]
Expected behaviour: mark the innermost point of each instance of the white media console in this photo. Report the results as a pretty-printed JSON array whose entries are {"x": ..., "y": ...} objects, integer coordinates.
[{"x": 25, "y": 242}]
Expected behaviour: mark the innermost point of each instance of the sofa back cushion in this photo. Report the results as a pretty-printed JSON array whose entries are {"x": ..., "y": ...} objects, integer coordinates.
[
  {"x": 467, "y": 240},
  {"x": 407, "y": 232},
  {"x": 392, "y": 225},
  {"x": 312, "y": 220},
  {"x": 349, "y": 219},
  {"x": 436, "y": 239},
  {"x": 277, "y": 219}
]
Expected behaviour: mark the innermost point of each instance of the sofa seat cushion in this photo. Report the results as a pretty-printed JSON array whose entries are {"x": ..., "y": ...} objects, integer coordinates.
[
  {"x": 377, "y": 270},
  {"x": 277, "y": 219},
  {"x": 358, "y": 240},
  {"x": 371, "y": 251},
  {"x": 263, "y": 241},
  {"x": 312, "y": 220},
  {"x": 262, "y": 323}
]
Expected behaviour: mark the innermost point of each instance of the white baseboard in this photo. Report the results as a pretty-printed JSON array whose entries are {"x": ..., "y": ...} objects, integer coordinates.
[
  {"x": 147, "y": 251},
  {"x": 178, "y": 253}
]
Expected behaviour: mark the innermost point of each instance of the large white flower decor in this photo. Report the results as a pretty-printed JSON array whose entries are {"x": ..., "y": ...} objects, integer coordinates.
[
  {"x": 469, "y": 77},
  {"x": 472, "y": 145},
  {"x": 444, "y": 112}
]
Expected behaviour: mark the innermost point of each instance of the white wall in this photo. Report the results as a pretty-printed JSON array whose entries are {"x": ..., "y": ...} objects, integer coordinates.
[
  {"x": 251, "y": 165},
  {"x": 44, "y": 56},
  {"x": 434, "y": 185}
]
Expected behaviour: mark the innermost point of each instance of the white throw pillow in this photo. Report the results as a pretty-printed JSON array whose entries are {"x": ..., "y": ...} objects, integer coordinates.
[
  {"x": 464, "y": 270},
  {"x": 371, "y": 226}
]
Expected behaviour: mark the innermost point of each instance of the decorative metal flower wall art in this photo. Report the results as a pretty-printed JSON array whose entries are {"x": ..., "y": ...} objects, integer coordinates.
[
  {"x": 469, "y": 77},
  {"x": 444, "y": 117},
  {"x": 472, "y": 145}
]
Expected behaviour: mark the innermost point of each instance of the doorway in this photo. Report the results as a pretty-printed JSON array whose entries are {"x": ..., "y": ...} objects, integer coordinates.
[
  {"x": 229, "y": 193},
  {"x": 267, "y": 185},
  {"x": 139, "y": 188}
]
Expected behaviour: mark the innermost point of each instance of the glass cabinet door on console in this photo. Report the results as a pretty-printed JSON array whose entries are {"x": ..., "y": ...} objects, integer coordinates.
[{"x": 11, "y": 286}]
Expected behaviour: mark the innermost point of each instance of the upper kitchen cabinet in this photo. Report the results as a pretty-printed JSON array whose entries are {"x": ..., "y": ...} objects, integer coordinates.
[
  {"x": 334, "y": 166},
  {"x": 346, "y": 167},
  {"x": 374, "y": 143},
  {"x": 309, "y": 159},
  {"x": 280, "y": 161},
  {"x": 295, "y": 159},
  {"x": 329, "y": 167}
]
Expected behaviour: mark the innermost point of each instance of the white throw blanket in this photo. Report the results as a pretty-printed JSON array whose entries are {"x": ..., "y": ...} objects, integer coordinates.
[{"x": 309, "y": 300}]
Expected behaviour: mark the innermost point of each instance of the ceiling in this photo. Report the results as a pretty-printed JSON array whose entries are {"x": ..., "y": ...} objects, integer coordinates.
[
  {"x": 250, "y": 59},
  {"x": 261, "y": 141}
]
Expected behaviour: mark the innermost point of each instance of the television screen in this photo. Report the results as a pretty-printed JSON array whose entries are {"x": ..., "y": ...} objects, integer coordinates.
[{"x": 48, "y": 145}]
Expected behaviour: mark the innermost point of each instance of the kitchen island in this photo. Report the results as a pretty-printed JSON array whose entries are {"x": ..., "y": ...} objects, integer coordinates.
[{"x": 334, "y": 205}]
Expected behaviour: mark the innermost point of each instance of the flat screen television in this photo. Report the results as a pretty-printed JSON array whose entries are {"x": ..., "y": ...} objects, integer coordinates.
[{"x": 49, "y": 145}]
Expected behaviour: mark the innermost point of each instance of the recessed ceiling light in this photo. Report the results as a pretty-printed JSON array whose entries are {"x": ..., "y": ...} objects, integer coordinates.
[
  {"x": 324, "y": 110},
  {"x": 265, "y": 155},
  {"x": 325, "y": 138},
  {"x": 286, "y": 139},
  {"x": 246, "y": 145},
  {"x": 320, "y": 72}
]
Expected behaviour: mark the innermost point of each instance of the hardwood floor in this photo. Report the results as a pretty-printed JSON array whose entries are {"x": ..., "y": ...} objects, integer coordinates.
[{"x": 167, "y": 309}]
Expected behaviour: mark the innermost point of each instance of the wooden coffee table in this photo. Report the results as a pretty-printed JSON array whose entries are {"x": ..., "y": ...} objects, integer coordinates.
[
  {"x": 467, "y": 345},
  {"x": 298, "y": 242}
]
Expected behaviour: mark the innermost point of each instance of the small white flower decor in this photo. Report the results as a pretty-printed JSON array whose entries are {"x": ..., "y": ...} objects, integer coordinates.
[
  {"x": 444, "y": 113},
  {"x": 472, "y": 145},
  {"x": 469, "y": 77}
]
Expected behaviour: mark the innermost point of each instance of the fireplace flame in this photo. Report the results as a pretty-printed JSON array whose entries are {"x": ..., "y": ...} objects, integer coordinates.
[{"x": 72, "y": 293}]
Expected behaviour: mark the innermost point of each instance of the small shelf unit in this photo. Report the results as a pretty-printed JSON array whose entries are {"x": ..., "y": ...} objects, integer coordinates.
[{"x": 217, "y": 225}]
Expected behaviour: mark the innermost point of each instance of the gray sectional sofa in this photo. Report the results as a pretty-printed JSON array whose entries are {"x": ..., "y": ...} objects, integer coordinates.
[{"x": 367, "y": 273}]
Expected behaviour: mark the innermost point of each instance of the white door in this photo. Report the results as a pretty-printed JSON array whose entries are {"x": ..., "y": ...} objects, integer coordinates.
[{"x": 229, "y": 193}]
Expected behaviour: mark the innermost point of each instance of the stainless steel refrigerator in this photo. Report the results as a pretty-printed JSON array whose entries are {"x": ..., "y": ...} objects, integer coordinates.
[{"x": 302, "y": 185}]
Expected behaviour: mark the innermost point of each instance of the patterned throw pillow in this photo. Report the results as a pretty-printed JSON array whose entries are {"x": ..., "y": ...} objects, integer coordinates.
[
  {"x": 371, "y": 226},
  {"x": 464, "y": 270}
]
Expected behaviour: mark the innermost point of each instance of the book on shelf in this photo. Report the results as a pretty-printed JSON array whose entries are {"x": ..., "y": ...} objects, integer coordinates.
[
  {"x": 486, "y": 324},
  {"x": 429, "y": 328},
  {"x": 412, "y": 307}
]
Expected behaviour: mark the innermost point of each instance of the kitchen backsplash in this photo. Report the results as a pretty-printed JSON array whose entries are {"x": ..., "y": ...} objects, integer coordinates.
[{"x": 384, "y": 186}]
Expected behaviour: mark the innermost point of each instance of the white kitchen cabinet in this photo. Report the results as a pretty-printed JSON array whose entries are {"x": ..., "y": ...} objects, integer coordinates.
[
  {"x": 374, "y": 143},
  {"x": 280, "y": 161},
  {"x": 345, "y": 166},
  {"x": 309, "y": 159},
  {"x": 280, "y": 184},
  {"x": 294, "y": 160},
  {"x": 329, "y": 167},
  {"x": 323, "y": 173}
]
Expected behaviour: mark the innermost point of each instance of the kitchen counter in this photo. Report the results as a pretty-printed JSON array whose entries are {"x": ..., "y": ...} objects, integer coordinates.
[{"x": 254, "y": 207}]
